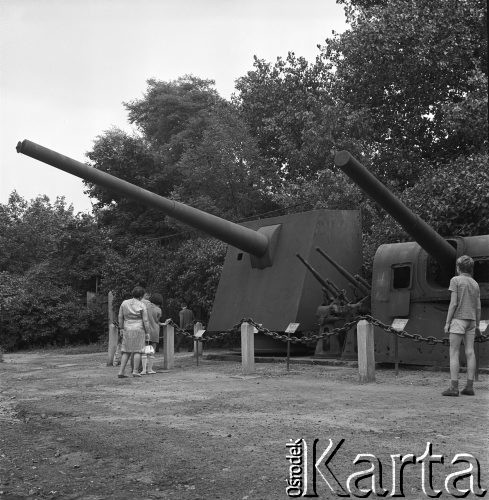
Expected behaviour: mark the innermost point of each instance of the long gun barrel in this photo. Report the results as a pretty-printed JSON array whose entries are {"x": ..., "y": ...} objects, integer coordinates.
[
  {"x": 363, "y": 281},
  {"x": 241, "y": 237},
  {"x": 337, "y": 290},
  {"x": 344, "y": 272},
  {"x": 424, "y": 234},
  {"x": 326, "y": 284}
]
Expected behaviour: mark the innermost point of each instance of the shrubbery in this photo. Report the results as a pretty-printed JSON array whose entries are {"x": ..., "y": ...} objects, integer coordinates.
[{"x": 40, "y": 312}]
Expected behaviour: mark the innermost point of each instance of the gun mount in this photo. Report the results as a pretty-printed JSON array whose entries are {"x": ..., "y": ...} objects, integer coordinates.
[
  {"x": 337, "y": 309},
  {"x": 260, "y": 278},
  {"x": 410, "y": 279}
]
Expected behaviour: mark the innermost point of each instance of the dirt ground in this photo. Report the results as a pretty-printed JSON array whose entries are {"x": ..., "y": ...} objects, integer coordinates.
[{"x": 71, "y": 429}]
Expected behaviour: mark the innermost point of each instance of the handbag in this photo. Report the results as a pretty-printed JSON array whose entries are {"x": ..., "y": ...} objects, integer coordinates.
[{"x": 148, "y": 349}]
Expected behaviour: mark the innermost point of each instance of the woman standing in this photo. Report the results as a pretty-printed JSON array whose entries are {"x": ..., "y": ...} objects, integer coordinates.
[{"x": 133, "y": 321}]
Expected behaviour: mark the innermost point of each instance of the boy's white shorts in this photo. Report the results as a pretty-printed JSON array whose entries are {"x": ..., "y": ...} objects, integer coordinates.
[{"x": 462, "y": 326}]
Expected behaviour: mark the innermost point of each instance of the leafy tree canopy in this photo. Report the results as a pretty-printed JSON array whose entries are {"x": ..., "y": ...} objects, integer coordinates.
[
  {"x": 30, "y": 231},
  {"x": 295, "y": 118},
  {"x": 49, "y": 258},
  {"x": 407, "y": 67},
  {"x": 194, "y": 147}
]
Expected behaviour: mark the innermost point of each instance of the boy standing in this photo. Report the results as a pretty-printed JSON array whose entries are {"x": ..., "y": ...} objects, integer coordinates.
[{"x": 463, "y": 318}]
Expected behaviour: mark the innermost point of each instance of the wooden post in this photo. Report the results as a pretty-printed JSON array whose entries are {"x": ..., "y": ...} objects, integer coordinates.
[
  {"x": 366, "y": 355},
  {"x": 197, "y": 345},
  {"x": 247, "y": 349},
  {"x": 168, "y": 347},
  {"x": 477, "y": 361},
  {"x": 113, "y": 333},
  {"x": 288, "y": 351},
  {"x": 396, "y": 355}
]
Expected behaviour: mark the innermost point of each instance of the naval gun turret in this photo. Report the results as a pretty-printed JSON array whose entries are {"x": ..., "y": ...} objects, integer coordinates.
[
  {"x": 261, "y": 277},
  {"x": 410, "y": 280}
]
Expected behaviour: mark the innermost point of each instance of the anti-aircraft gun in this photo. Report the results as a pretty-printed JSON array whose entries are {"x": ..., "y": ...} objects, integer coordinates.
[
  {"x": 339, "y": 307},
  {"x": 261, "y": 278},
  {"x": 410, "y": 280}
]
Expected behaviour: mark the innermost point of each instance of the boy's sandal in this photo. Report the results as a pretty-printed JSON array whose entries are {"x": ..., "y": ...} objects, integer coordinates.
[{"x": 122, "y": 376}]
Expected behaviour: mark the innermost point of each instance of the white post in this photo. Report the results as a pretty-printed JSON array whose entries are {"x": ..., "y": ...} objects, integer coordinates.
[
  {"x": 197, "y": 345},
  {"x": 113, "y": 333},
  {"x": 247, "y": 349},
  {"x": 366, "y": 354},
  {"x": 168, "y": 347}
]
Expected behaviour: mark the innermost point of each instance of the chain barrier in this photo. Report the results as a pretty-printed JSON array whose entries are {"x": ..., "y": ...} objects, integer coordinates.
[
  {"x": 310, "y": 337},
  {"x": 217, "y": 336},
  {"x": 483, "y": 337},
  {"x": 307, "y": 338}
]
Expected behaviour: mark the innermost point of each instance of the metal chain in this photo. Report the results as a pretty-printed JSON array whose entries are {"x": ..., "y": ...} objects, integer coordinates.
[
  {"x": 310, "y": 337},
  {"x": 415, "y": 336},
  {"x": 188, "y": 334}
]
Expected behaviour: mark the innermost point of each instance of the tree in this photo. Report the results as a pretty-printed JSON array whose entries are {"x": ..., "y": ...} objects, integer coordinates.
[
  {"x": 82, "y": 250},
  {"x": 191, "y": 274},
  {"x": 193, "y": 148},
  {"x": 174, "y": 113},
  {"x": 138, "y": 264},
  {"x": 181, "y": 270},
  {"x": 129, "y": 158},
  {"x": 404, "y": 66},
  {"x": 49, "y": 258},
  {"x": 30, "y": 231},
  {"x": 295, "y": 118},
  {"x": 37, "y": 309},
  {"x": 224, "y": 172}
]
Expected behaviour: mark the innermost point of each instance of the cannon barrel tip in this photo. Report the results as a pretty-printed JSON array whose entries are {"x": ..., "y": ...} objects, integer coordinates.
[
  {"x": 19, "y": 146},
  {"x": 342, "y": 158}
]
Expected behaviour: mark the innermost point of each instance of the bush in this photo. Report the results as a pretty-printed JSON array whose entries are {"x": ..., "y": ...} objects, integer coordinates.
[{"x": 36, "y": 311}]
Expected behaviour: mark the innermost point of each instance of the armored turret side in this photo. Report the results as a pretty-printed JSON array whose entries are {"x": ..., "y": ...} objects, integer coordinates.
[{"x": 401, "y": 289}]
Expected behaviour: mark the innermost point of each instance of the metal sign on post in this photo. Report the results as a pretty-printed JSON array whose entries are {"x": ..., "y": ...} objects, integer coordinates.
[
  {"x": 398, "y": 324},
  {"x": 290, "y": 329},
  {"x": 198, "y": 335}
]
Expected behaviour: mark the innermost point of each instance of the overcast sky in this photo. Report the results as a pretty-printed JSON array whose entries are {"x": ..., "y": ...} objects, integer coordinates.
[{"x": 66, "y": 66}]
